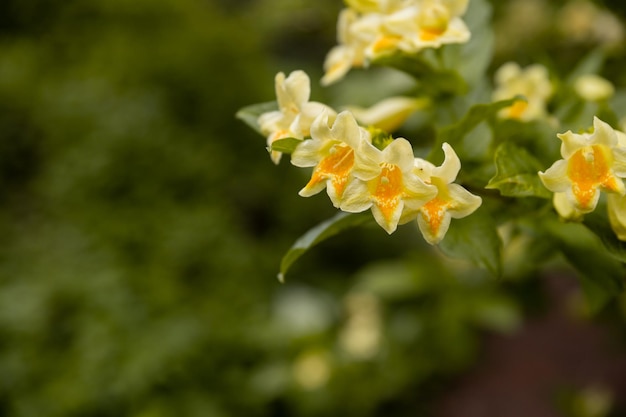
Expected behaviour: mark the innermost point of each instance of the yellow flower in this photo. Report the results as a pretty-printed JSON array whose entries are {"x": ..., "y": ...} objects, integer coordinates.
[
  {"x": 349, "y": 51},
  {"x": 592, "y": 162},
  {"x": 592, "y": 87},
  {"x": 384, "y": 182},
  {"x": 531, "y": 82},
  {"x": 429, "y": 24},
  {"x": 331, "y": 151},
  {"x": 295, "y": 112},
  {"x": 565, "y": 208},
  {"x": 388, "y": 114},
  {"x": 451, "y": 200}
]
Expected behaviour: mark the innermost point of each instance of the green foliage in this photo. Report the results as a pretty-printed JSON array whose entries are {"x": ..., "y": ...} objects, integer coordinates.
[
  {"x": 475, "y": 238},
  {"x": 478, "y": 113},
  {"x": 338, "y": 223},
  {"x": 516, "y": 173},
  {"x": 601, "y": 275},
  {"x": 142, "y": 225},
  {"x": 250, "y": 114},
  {"x": 285, "y": 145}
]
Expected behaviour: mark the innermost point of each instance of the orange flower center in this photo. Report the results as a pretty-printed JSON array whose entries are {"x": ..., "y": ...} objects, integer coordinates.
[
  {"x": 433, "y": 22},
  {"x": 387, "y": 189},
  {"x": 430, "y": 34},
  {"x": 590, "y": 168},
  {"x": 433, "y": 213},
  {"x": 517, "y": 109},
  {"x": 337, "y": 167},
  {"x": 385, "y": 43}
]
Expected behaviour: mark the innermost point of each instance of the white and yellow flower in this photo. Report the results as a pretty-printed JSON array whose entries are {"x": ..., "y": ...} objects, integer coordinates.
[
  {"x": 295, "y": 112},
  {"x": 388, "y": 114},
  {"x": 592, "y": 87},
  {"x": 331, "y": 151},
  {"x": 450, "y": 201},
  {"x": 532, "y": 82},
  {"x": 384, "y": 182},
  {"x": 349, "y": 51},
  {"x": 429, "y": 24},
  {"x": 592, "y": 162}
]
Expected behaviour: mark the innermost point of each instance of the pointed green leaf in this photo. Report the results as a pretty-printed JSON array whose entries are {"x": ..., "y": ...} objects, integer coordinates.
[
  {"x": 516, "y": 173},
  {"x": 601, "y": 275},
  {"x": 250, "y": 114},
  {"x": 478, "y": 113},
  {"x": 475, "y": 238},
  {"x": 340, "y": 222},
  {"x": 286, "y": 145}
]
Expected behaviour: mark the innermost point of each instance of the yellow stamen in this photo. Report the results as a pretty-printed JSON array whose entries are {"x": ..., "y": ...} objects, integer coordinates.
[
  {"x": 589, "y": 168},
  {"x": 337, "y": 166},
  {"x": 387, "y": 189}
]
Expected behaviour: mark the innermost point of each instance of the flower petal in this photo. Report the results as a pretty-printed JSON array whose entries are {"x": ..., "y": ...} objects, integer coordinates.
[
  {"x": 555, "y": 178},
  {"x": 388, "y": 114},
  {"x": 307, "y": 153},
  {"x": 293, "y": 91},
  {"x": 603, "y": 133},
  {"x": 388, "y": 216},
  {"x": 367, "y": 162},
  {"x": 572, "y": 142},
  {"x": 565, "y": 208},
  {"x": 463, "y": 202},
  {"x": 619, "y": 162},
  {"x": 433, "y": 224},
  {"x": 356, "y": 197},
  {"x": 450, "y": 167},
  {"x": 400, "y": 152},
  {"x": 337, "y": 64},
  {"x": 616, "y": 207},
  {"x": 346, "y": 129}
]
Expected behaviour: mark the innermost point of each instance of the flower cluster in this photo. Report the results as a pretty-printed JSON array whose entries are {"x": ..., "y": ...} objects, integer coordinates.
[
  {"x": 503, "y": 126},
  {"x": 366, "y": 169},
  {"x": 368, "y": 29},
  {"x": 592, "y": 163}
]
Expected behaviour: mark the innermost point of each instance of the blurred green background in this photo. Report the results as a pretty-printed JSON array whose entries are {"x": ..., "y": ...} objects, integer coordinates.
[{"x": 141, "y": 228}]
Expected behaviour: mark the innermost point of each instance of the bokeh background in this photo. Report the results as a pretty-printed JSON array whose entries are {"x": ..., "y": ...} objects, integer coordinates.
[{"x": 142, "y": 225}]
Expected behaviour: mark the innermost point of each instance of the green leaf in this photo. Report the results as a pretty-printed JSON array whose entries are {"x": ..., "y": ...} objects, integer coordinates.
[
  {"x": 250, "y": 114},
  {"x": 425, "y": 68},
  {"x": 285, "y": 145},
  {"x": 478, "y": 113},
  {"x": 601, "y": 275},
  {"x": 516, "y": 173},
  {"x": 475, "y": 238},
  {"x": 340, "y": 222}
]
